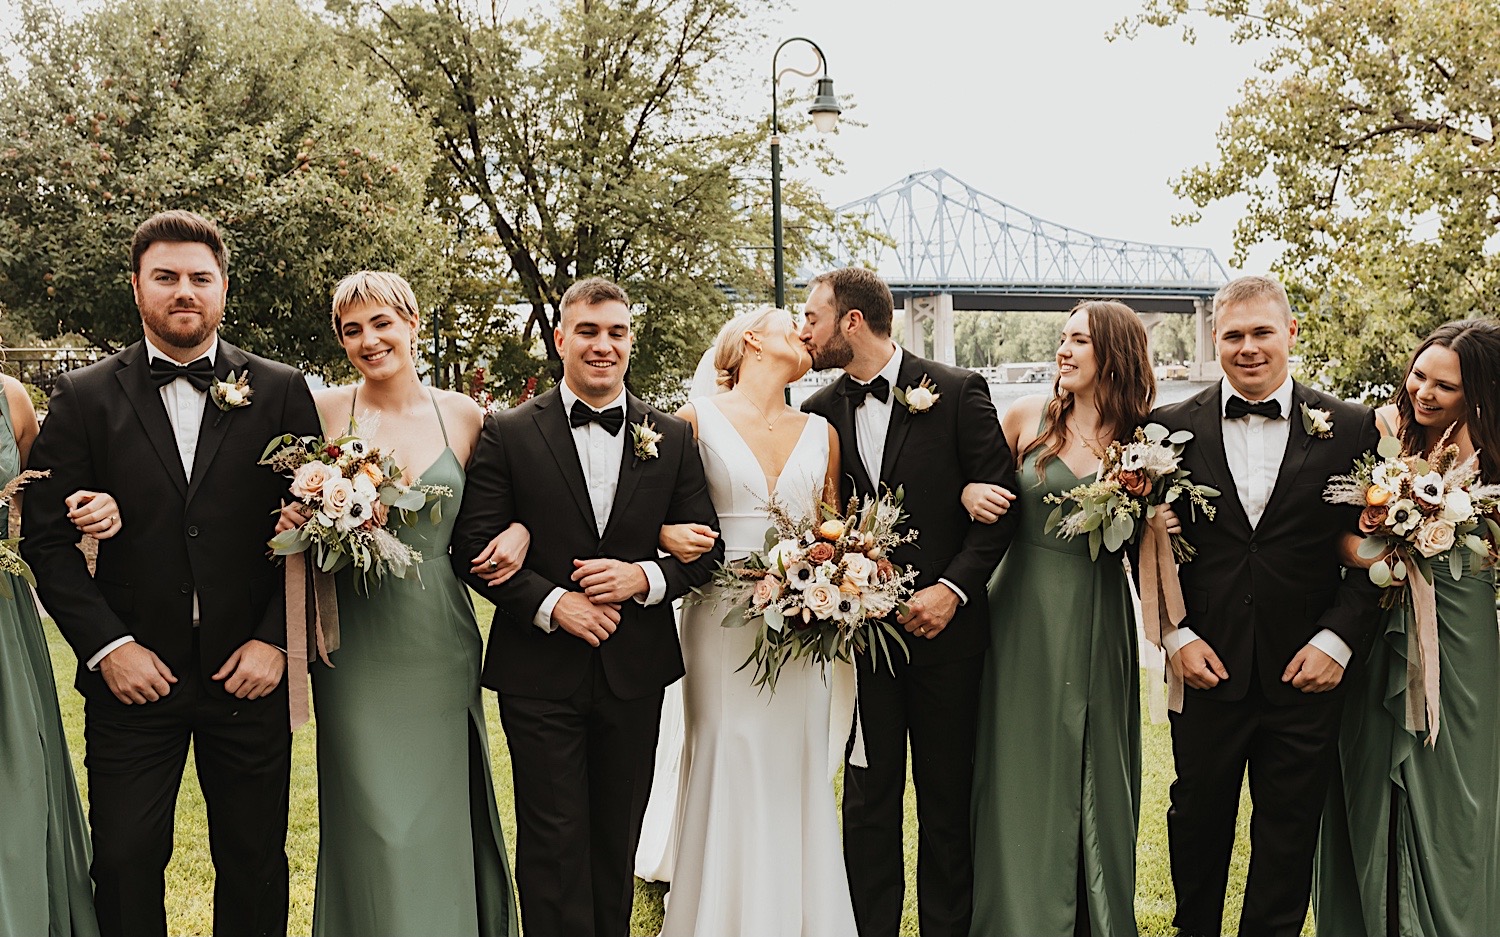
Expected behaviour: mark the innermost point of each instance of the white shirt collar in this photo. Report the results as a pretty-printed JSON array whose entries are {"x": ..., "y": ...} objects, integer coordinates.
[
  {"x": 1282, "y": 395},
  {"x": 891, "y": 370},
  {"x": 152, "y": 352},
  {"x": 568, "y": 397}
]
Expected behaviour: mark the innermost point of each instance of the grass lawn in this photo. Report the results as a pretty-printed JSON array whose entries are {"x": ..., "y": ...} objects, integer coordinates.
[{"x": 190, "y": 875}]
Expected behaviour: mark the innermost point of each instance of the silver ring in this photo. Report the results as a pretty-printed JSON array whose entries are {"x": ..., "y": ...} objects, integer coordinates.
[
  {"x": 921, "y": 632},
  {"x": 493, "y": 565},
  {"x": 109, "y": 521}
]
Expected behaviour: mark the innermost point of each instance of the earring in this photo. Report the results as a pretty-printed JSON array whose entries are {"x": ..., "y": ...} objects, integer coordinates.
[{"x": 757, "y": 355}]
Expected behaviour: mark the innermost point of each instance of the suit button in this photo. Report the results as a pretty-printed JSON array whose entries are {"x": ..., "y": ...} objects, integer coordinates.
[
  {"x": 1247, "y": 600},
  {"x": 187, "y": 589},
  {"x": 1253, "y": 547},
  {"x": 193, "y": 532}
]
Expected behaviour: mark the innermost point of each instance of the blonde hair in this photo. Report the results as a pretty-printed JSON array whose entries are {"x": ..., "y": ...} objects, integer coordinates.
[
  {"x": 374, "y": 288},
  {"x": 729, "y": 345},
  {"x": 1246, "y": 288}
]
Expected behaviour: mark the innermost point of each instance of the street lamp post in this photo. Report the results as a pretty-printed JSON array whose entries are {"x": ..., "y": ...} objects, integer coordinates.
[{"x": 825, "y": 112}]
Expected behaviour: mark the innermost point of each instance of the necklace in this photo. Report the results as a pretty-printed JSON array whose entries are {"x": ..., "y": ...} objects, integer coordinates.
[{"x": 770, "y": 423}]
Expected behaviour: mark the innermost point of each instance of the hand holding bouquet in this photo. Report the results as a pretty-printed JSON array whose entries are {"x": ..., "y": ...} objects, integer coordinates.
[
  {"x": 1418, "y": 512},
  {"x": 351, "y": 489},
  {"x": 822, "y": 586},
  {"x": 1134, "y": 479}
]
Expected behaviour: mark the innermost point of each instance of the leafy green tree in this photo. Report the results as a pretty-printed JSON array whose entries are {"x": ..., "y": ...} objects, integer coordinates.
[
  {"x": 1366, "y": 147},
  {"x": 603, "y": 138},
  {"x": 247, "y": 111}
]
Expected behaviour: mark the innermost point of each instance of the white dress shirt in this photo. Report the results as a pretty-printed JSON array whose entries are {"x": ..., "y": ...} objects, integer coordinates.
[
  {"x": 872, "y": 420},
  {"x": 600, "y": 455},
  {"x": 184, "y": 405},
  {"x": 1254, "y": 447}
]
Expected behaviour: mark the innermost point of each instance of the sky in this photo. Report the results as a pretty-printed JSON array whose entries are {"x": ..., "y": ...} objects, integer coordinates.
[{"x": 1025, "y": 100}]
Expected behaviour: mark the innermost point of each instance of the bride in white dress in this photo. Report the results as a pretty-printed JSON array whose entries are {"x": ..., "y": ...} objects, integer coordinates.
[{"x": 757, "y": 836}]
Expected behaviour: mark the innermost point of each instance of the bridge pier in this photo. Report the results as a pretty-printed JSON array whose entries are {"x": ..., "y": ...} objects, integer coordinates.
[
  {"x": 1151, "y": 320},
  {"x": 1205, "y": 360},
  {"x": 938, "y": 309}
]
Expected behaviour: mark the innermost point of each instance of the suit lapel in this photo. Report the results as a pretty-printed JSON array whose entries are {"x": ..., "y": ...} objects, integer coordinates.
[
  {"x": 215, "y": 423},
  {"x": 910, "y": 372},
  {"x": 841, "y": 415},
  {"x": 552, "y": 420},
  {"x": 1208, "y": 436},
  {"x": 631, "y": 468},
  {"x": 1297, "y": 445},
  {"x": 135, "y": 379}
]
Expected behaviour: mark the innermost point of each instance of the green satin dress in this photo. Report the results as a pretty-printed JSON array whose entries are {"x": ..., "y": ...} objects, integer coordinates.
[
  {"x": 1445, "y": 847},
  {"x": 409, "y": 835},
  {"x": 44, "y": 841},
  {"x": 1057, "y": 768}
]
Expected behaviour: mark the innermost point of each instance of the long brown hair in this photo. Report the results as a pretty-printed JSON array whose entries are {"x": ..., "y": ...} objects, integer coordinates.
[
  {"x": 1477, "y": 344},
  {"x": 1126, "y": 386}
]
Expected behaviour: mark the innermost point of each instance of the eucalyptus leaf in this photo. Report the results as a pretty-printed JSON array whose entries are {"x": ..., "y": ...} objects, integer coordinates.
[
  {"x": 1389, "y": 447},
  {"x": 1053, "y": 519},
  {"x": 1371, "y": 547},
  {"x": 1380, "y": 573},
  {"x": 1476, "y": 545},
  {"x": 1180, "y": 437},
  {"x": 437, "y": 512},
  {"x": 1095, "y": 538},
  {"x": 1155, "y": 432},
  {"x": 1456, "y": 564},
  {"x": 1114, "y": 536}
]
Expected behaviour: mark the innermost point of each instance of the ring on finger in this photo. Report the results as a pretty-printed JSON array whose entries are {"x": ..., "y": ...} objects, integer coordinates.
[{"x": 493, "y": 565}]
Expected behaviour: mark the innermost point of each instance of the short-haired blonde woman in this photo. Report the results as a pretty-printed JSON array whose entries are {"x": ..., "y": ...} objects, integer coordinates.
[{"x": 409, "y": 836}]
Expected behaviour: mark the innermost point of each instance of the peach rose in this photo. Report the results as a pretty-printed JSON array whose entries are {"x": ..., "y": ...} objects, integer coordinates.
[
  {"x": 372, "y": 471},
  {"x": 884, "y": 569},
  {"x": 309, "y": 480},
  {"x": 338, "y": 494},
  {"x": 1371, "y": 518},
  {"x": 822, "y": 599},
  {"x": 380, "y": 512},
  {"x": 1135, "y": 483},
  {"x": 820, "y": 553},
  {"x": 767, "y": 591}
]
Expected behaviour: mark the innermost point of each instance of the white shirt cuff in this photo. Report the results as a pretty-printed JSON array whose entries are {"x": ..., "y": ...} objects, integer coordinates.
[
  {"x": 656, "y": 583},
  {"x": 1177, "y": 640},
  {"x": 1332, "y": 645},
  {"x": 93, "y": 662},
  {"x": 543, "y": 617},
  {"x": 962, "y": 598}
]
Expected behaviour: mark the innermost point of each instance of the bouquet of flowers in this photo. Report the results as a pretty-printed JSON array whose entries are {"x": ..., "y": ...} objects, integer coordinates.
[
  {"x": 822, "y": 585},
  {"x": 10, "y": 555},
  {"x": 1134, "y": 479},
  {"x": 351, "y": 489},
  {"x": 1419, "y": 511}
]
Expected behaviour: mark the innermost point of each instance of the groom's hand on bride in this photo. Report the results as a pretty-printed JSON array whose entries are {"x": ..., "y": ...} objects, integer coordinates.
[
  {"x": 687, "y": 542},
  {"x": 578, "y": 616},
  {"x": 986, "y": 503},
  {"x": 610, "y": 581},
  {"x": 1198, "y": 665},
  {"x": 929, "y": 611},
  {"x": 502, "y": 556}
]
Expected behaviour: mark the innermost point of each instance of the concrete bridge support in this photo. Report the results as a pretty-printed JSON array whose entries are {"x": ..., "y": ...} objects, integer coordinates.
[
  {"x": 1205, "y": 360},
  {"x": 1151, "y": 320},
  {"x": 917, "y": 312}
]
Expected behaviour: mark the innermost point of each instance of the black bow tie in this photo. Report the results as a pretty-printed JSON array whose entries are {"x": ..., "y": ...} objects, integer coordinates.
[
  {"x": 1237, "y": 407},
  {"x": 199, "y": 373},
  {"x": 582, "y": 415},
  {"x": 879, "y": 388}
]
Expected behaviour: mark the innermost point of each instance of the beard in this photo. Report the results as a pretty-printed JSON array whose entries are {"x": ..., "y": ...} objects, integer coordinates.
[
  {"x": 836, "y": 353},
  {"x": 179, "y": 335}
]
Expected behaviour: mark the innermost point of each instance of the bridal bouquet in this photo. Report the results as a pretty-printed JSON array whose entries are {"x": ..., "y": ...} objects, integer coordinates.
[
  {"x": 351, "y": 488},
  {"x": 10, "y": 555},
  {"x": 822, "y": 585},
  {"x": 1135, "y": 478},
  {"x": 1417, "y": 513}
]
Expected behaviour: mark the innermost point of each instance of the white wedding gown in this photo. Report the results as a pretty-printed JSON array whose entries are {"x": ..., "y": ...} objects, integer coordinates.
[{"x": 758, "y": 850}]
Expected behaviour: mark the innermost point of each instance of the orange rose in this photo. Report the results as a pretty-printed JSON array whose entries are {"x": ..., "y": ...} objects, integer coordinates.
[
  {"x": 1135, "y": 482},
  {"x": 1372, "y": 517},
  {"x": 820, "y": 552},
  {"x": 1377, "y": 495},
  {"x": 831, "y": 529}
]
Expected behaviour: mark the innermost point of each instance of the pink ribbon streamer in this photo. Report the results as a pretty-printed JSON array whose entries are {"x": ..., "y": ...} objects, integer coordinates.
[
  {"x": 1422, "y": 677},
  {"x": 323, "y": 633},
  {"x": 1162, "y": 608}
]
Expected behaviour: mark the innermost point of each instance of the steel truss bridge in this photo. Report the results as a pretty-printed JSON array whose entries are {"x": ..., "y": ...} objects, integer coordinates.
[{"x": 953, "y": 247}]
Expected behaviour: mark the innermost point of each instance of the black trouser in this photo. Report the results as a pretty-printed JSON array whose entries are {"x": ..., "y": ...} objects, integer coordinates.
[
  {"x": 135, "y": 758},
  {"x": 937, "y": 706},
  {"x": 1290, "y": 752},
  {"x": 582, "y": 770}
]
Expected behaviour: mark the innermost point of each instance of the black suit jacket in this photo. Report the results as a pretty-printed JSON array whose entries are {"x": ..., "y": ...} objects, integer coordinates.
[
  {"x": 1257, "y": 596},
  {"x": 107, "y": 430},
  {"x": 526, "y": 469},
  {"x": 931, "y": 456}
]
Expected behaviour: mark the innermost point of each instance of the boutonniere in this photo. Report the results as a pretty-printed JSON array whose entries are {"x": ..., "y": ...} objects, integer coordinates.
[
  {"x": 233, "y": 393},
  {"x": 918, "y": 399},
  {"x": 1318, "y": 423},
  {"x": 644, "y": 437}
]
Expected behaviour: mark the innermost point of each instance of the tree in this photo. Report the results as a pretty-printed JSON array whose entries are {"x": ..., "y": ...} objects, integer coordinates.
[
  {"x": 246, "y": 111},
  {"x": 601, "y": 138},
  {"x": 1366, "y": 147}
]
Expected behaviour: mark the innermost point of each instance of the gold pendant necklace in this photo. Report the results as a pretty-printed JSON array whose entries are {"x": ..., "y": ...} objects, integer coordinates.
[{"x": 770, "y": 424}]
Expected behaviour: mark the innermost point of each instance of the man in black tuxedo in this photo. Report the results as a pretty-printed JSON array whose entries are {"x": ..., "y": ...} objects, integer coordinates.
[
  {"x": 1271, "y": 624},
  {"x": 178, "y": 633},
  {"x": 943, "y": 436},
  {"x": 584, "y": 641}
]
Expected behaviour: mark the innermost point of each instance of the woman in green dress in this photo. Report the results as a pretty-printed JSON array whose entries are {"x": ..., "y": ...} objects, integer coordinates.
[
  {"x": 1410, "y": 843},
  {"x": 44, "y": 842},
  {"x": 409, "y": 834},
  {"x": 1058, "y": 764}
]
